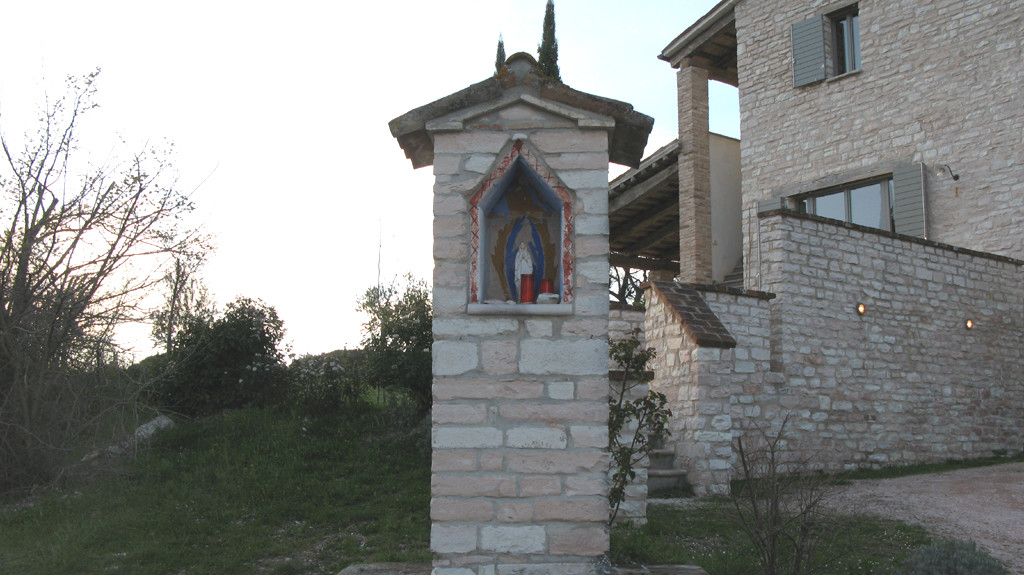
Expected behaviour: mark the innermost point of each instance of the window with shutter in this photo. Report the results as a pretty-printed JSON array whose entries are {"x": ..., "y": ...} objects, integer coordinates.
[
  {"x": 814, "y": 39},
  {"x": 808, "y": 52}
]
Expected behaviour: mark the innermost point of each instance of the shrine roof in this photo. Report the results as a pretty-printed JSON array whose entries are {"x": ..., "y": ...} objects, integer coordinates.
[{"x": 520, "y": 75}]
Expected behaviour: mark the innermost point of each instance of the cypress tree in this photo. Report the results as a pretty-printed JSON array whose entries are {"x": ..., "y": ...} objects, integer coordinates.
[
  {"x": 499, "y": 58},
  {"x": 547, "y": 51}
]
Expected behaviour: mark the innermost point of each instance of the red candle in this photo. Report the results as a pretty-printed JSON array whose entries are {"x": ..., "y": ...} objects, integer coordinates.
[
  {"x": 547, "y": 285},
  {"x": 526, "y": 288}
]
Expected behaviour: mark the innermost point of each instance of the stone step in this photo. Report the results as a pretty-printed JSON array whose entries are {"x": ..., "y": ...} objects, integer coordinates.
[{"x": 658, "y": 479}]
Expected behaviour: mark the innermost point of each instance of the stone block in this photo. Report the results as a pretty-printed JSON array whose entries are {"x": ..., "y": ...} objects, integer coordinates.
[
  {"x": 475, "y": 485},
  {"x": 458, "y": 509},
  {"x": 451, "y": 389},
  {"x": 500, "y": 357},
  {"x": 452, "y": 538},
  {"x": 557, "y": 462},
  {"x": 576, "y": 486},
  {"x": 458, "y": 414},
  {"x": 536, "y": 438},
  {"x": 539, "y": 485},
  {"x": 472, "y": 437},
  {"x": 515, "y": 512},
  {"x": 583, "y": 541},
  {"x": 570, "y": 357},
  {"x": 475, "y": 141},
  {"x": 513, "y": 539},
  {"x": 585, "y": 510},
  {"x": 561, "y": 389},
  {"x": 454, "y": 357},
  {"x": 562, "y": 412},
  {"x": 461, "y": 326},
  {"x": 454, "y": 461},
  {"x": 573, "y": 141},
  {"x": 492, "y": 461},
  {"x": 589, "y": 436}
]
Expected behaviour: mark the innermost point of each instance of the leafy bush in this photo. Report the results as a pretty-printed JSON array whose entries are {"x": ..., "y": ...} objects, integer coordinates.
[
  {"x": 950, "y": 557},
  {"x": 320, "y": 384},
  {"x": 632, "y": 421},
  {"x": 398, "y": 337},
  {"x": 230, "y": 362}
]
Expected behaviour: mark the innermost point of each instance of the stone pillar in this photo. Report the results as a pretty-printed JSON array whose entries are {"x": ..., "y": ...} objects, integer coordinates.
[
  {"x": 520, "y": 396},
  {"x": 694, "y": 176},
  {"x": 520, "y": 410}
]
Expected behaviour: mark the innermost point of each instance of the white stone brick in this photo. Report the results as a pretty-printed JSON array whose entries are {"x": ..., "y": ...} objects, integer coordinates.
[
  {"x": 475, "y": 326},
  {"x": 513, "y": 539},
  {"x": 454, "y": 357},
  {"x": 570, "y": 357},
  {"x": 536, "y": 438},
  {"x": 561, "y": 389},
  {"x": 480, "y": 163},
  {"x": 449, "y": 538},
  {"x": 589, "y": 436},
  {"x": 465, "y": 437},
  {"x": 539, "y": 327}
]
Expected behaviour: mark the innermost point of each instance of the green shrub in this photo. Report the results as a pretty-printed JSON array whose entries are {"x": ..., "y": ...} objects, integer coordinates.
[
  {"x": 320, "y": 384},
  {"x": 951, "y": 557},
  {"x": 230, "y": 362},
  {"x": 398, "y": 337}
]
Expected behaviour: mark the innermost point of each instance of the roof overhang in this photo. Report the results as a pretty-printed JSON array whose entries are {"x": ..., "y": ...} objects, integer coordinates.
[
  {"x": 710, "y": 43},
  {"x": 643, "y": 214}
]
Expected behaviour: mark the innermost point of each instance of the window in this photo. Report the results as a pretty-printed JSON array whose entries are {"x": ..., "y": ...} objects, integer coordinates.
[
  {"x": 866, "y": 204},
  {"x": 846, "y": 40},
  {"x": 837, "y": 33}
]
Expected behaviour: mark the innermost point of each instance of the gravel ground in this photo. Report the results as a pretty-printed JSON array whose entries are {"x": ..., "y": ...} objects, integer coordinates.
[{"x": 985, "y": 504}]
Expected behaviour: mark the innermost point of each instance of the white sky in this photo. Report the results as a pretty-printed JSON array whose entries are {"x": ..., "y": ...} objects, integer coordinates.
[{"x": 278, "y": 113}]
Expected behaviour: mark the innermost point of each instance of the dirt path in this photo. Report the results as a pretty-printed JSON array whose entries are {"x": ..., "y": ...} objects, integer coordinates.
[{"x": 985, "y": 504}]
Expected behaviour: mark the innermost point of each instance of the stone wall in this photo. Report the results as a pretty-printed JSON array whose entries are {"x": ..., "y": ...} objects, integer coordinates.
[
  {"x": 906, "y": 381},
  {"x": 939, "y": 84},
  {"x": 520, "y": 396},
  {"x": 713, "y": 391}
]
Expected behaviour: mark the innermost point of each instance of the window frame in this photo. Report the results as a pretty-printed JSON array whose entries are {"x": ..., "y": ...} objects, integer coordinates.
[
  {"x": 808, "y": 202},
  {"x": 844, "y": 26}
]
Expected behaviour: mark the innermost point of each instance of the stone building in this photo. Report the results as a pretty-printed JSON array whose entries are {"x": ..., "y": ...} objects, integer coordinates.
[{"x": 881, "y": 215}]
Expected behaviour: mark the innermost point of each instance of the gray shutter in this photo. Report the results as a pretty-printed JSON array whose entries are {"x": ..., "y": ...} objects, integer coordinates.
[
  {"x": 908, "y": 200},
  {"x": 808, "y": 51}
]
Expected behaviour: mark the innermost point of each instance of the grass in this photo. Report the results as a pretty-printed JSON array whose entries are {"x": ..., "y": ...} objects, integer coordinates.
[
  {"x": 705, "y": 533},
  {"x": 261, "y": 491},
  {"x": 251, "y": 491}
]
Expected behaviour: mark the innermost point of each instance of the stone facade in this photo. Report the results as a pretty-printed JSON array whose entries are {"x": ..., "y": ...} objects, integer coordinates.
[
  {"x": 932, "y": 104},
  {"x": 904, "y": 382},
  {"x": 938, "y": 85},
  {"x": 712, "y": 390}
]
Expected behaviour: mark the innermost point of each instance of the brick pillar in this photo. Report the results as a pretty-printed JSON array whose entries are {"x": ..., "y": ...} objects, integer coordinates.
[
  {"x": 520, "y": 410},
  {"x": 694, "y": 176}
]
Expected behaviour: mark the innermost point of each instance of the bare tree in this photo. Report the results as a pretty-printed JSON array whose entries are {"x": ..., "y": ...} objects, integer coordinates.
[
  {"x": 624, "y": 285},
  {"x": 778, "y": 503},
  {"x": 185, "y": 297},
  {"x": 75, "y": 248}
]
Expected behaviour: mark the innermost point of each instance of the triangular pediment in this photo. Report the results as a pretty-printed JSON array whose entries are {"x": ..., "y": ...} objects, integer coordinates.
[{"x": 518, "y": 108}]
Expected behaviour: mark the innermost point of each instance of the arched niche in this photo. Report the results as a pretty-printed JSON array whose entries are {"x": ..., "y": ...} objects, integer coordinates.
[{"x": 520, "y": 207}]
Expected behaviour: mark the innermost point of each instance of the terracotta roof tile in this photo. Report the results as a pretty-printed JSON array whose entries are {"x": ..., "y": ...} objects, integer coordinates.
[{"x": 699, "y": 321}]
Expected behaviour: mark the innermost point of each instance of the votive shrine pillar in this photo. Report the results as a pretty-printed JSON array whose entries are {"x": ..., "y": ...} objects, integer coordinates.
[{"x": 520, "y": 393}]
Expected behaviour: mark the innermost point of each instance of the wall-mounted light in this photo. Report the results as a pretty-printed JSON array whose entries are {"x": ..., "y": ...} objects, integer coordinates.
[
  {"x": 861, "y": 308},
  {"x": 951, "y": 174},
  {"x": 969, "y": 324}
]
